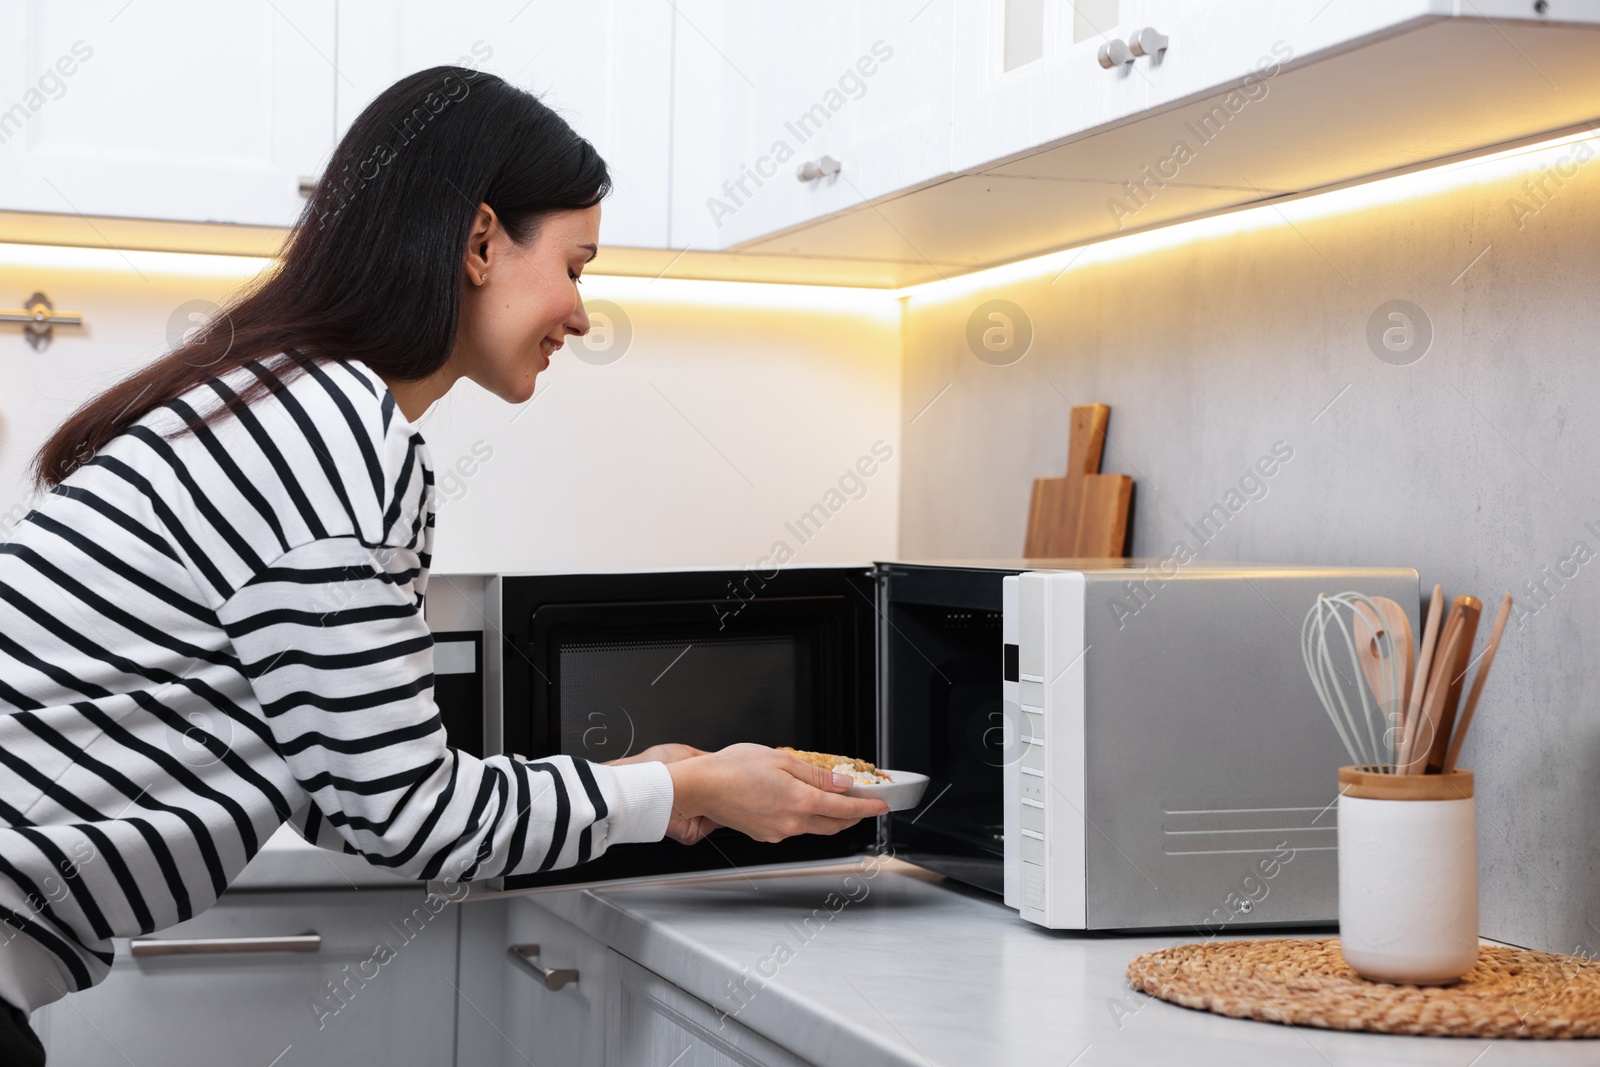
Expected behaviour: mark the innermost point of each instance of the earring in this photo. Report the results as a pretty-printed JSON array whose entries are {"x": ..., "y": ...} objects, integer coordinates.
[{"x": 483, "y": 277}]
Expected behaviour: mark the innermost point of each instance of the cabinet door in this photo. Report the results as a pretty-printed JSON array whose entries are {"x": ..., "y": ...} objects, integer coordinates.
[
  {"x": 603, "y": 65},
  {"x": 1218, "y": 46},
  {"x": 1027, "y": 72},
  {"x": 759, "y": 91},
  {"x": 377, "y": 990},
  {"x": 175, "y": 110},
  {"x": 656, "y": 1024},
  {"x": 545, "y": 1025}
]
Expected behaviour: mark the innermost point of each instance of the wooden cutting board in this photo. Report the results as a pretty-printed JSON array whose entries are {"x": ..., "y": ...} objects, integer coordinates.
[{"x": 1084, "y": 514}]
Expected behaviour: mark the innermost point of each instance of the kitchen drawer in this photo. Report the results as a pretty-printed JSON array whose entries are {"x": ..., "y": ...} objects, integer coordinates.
[
  {"x": 377, "y": 990},
  {"x": 544, "y": 1025},
  {"x": 656, "y": 1023}
]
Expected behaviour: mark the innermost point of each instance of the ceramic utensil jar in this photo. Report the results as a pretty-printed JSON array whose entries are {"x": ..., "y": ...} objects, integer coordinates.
[{"x": 1408, "y": 875}]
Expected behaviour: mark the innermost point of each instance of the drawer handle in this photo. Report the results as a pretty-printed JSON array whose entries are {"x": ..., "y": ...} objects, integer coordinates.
[
  {"x": 527, "y": 957},
  {"x": 204, "y": 946}
]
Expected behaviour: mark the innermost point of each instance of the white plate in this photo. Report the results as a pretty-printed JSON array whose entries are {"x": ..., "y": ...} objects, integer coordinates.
[{"x": 903, "y": 790}]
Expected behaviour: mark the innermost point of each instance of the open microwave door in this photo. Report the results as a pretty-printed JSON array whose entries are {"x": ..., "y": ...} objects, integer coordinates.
[
  {"x": 601, "y": 666},
  {"x": 942, "y": 659}
]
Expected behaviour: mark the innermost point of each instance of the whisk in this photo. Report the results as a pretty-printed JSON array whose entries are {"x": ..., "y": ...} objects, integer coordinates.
[{"x": 1346, "y": 619}]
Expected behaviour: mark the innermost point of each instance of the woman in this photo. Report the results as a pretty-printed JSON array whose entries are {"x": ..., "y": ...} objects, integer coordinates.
[{"x": 236, "y": 549}]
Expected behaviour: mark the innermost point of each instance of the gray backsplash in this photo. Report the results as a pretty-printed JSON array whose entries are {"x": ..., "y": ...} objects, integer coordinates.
[{"x": 1474, "y": 464}]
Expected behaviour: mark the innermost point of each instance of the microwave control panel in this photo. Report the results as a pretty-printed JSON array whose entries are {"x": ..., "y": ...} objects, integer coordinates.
[{"x": 1044, "y": 772}]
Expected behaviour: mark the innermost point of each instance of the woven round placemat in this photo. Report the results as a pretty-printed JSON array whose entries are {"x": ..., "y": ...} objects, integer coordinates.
[{"x": 1510, "y": 992}]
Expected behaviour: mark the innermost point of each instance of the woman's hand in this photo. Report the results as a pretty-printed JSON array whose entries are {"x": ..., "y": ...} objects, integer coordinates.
[
  {"x": 765, "y": 794},
  {"x": 682, "y": 829},
  {"x": 658, "y": 754}
]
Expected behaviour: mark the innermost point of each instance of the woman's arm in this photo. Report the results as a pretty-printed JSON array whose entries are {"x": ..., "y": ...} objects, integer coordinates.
[{"x": 333, "y": 639}]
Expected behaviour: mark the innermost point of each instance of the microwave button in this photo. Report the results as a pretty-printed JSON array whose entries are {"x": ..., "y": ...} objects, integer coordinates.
[
  {"x": 1032, "y": 820},
  {"x": 1032, "y": 721},
  {"x": 1032, "y": 787},
  {"x": 1031, "y": 691},
  {"x": 1032, "y": 758}
]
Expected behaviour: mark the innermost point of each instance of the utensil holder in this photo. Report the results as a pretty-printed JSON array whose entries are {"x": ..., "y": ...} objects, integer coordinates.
[{"x": 1408, "y": 875}]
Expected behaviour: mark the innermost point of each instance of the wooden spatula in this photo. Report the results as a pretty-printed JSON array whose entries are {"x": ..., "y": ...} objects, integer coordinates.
[
  {"x": 1438, "y": 685},
  {"x": 1459, "y": 736},
  {"x": 1467, "y": 609},
  {"x": 1410, "y": 763}
]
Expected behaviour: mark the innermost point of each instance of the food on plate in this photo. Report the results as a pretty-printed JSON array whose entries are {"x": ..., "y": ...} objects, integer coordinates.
[{"x": 863, "y": 772}]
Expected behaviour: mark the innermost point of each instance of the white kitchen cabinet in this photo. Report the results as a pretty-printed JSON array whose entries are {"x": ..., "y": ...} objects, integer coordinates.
[
  {"x": 1026, "y": 72},
  {"x": 1251, "y": 100},
  {"x": 562, "y": 1025},
  {"x": 612, "y": 1011},
  {"x": 656, "y": 1024},
  {"x": 349, "y": 1001},
  {"x": 605, "y": 66},
  {"x": 181, "y": 109},
  {"x": 759, "y": 91}
]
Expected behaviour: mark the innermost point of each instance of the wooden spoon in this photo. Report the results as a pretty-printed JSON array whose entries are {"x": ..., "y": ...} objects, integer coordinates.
[{"x": 1383, "y": 647}]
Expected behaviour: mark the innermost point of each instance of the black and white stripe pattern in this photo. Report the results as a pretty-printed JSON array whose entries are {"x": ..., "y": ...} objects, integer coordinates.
[{"x": 206, "y": 634}]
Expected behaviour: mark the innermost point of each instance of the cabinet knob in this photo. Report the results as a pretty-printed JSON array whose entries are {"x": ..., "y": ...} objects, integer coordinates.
[
  {"x": 527, "y": 957},
  {"x": 1147, "y": 42},
  {"x": 1114, "y": 53},
  {"x": 816, "y": 169}
]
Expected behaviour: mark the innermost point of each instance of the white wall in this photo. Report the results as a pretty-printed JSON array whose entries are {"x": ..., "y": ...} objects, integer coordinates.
[
  {"x": 728, "y": 416},
  {"x": 733, "y": 409}
]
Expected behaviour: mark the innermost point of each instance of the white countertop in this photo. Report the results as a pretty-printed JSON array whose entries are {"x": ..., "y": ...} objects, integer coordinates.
[
  {"x": 914, "y": 970},
  {"x": 288, "y": 861}
]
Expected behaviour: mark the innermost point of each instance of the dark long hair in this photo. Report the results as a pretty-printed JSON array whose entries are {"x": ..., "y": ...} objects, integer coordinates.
[{"x": 373, "y": 268}]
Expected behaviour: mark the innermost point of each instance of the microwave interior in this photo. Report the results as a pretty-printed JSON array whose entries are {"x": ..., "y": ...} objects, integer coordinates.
[
  {"x": 898, "y": 664},
  {"x": 602, "y": 666}
]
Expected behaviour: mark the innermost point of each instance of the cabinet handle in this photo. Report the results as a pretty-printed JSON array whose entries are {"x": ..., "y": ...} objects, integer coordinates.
[
  {"x": 204, "y": 946},
  {"x": 1147, "y": 42},
  {"x": 39, "y": 320},
  {"x": 1114, "y": 53},
  {"x": 816, "y": 170},
  {"x": 527, "y": 957}
]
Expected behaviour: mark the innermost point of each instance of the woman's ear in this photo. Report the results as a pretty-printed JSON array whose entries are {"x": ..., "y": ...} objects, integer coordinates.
[{"x": 478, "y": 254}]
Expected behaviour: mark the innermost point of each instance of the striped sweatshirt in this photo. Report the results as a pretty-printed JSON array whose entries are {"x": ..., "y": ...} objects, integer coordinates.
[{"x": 206, "y": 634}]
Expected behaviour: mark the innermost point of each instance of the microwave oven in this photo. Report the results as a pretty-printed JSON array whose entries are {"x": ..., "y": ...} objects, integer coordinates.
[
  {"x": 909, "y": 665},
  {"x": 1173, "y": 767}
]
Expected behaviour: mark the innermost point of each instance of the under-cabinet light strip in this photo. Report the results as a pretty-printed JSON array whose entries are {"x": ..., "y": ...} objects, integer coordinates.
[{"x": 1558, "y": 156}]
